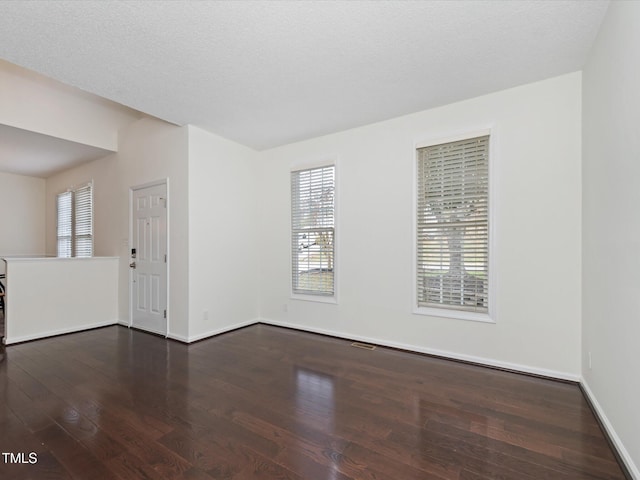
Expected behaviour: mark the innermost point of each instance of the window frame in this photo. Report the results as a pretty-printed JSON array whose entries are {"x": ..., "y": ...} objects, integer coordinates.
[
  {"x": 451, "y": 312},
  {"x": 74, "y": 220},
  {"x": 310, "y": 165}
]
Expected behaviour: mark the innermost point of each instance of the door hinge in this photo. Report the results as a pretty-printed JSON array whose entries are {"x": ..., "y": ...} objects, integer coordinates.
[
  {"x": 165, "y": 258},
  {"x": 165, "y": 313}
]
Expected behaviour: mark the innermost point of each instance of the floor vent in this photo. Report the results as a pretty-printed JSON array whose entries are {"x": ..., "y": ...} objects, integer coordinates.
[{"x": 366, "y": 346}]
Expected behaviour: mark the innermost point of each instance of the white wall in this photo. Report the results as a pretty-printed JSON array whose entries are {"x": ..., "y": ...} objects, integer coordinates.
[
  {"x": 223, "y": 235},
  {"x": 39, "y": 104},
  {"x": 538, "y": 191},
  {"x": 103, "y": 172},
  {"x": 151, "y": 150},
  {"x": 50, "y": 296},
  {"x": 22, "y": 228},
  {"x": 611, "y": 233}
]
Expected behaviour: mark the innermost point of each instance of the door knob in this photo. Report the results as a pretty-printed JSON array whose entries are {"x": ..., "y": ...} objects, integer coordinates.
[{"x": 132, "y": 264}]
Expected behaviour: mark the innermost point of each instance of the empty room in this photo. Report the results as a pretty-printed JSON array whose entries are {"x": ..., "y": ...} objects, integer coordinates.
[{"x": 319, "y": 240}]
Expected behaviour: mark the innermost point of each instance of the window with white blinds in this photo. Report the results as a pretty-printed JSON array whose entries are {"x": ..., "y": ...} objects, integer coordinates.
[
  {"x": 75, "y": 222},
  {"x": 313, "y": 231},
  {"x": 83, "y": 222},
  {"x": 453, "y": 225},
  {"x": 65, "y": 230}
]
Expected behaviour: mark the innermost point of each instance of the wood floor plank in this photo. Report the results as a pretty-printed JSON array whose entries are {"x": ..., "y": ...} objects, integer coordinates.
[
  {"x": 127, "y": 465},
  {"x": 271, "y": 403},
  {"x": 74, "y": 457},
  {"x": 203, "y": 455}
]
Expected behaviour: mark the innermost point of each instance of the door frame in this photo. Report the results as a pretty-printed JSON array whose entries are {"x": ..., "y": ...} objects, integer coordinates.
[{"x": 155, "y": 183}]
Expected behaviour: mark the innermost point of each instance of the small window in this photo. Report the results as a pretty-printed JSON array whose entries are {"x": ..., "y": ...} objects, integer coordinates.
[
  {"x": 453, "y": 225},
  {"x": 65, "y": 228},
  {"x": 75, "y": 222},
  {"x": 313, "y": 231}
]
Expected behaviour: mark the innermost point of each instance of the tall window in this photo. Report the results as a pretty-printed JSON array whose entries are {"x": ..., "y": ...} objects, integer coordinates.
[
  {"x": 453, "y": 225},
  {"x": 65, "y": 223},
  {"x": 75, "y": 222},
  {"x": 313, "y": 231}
]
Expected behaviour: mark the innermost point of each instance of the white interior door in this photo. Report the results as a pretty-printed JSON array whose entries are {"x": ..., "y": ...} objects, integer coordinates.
[{"x": 149, "y": 259}]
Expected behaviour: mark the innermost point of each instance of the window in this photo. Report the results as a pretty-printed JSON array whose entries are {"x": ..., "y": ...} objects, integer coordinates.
[
  {"x": 313, "y": 231},
  {"x": 65, "y": 209},
  {"x": 453, "y": 226},
  {"x": 83, "y": 222},
  {"x": 75, "y": 222}
]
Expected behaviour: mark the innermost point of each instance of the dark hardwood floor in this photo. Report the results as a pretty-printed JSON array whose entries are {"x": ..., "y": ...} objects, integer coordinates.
[{"x": 270, "y": 403}]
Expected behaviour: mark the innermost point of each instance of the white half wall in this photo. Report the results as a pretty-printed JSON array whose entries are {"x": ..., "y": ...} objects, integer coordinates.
[
  {"x": 611, "y": 233},
  {"x": 23, "y": 219},
  {"x": 537, "y": 165},
  {"x": 223, "y": 236},
  {"x": 50, "y": 296}
]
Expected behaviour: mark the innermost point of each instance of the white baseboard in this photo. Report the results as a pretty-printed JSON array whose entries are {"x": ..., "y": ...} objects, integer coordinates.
[
  {"x": 212, "y": 333},
  {"x": 201, "y": 336},
  {"x": 62, "y": 331},
  {"x": 360, "y": 338},
  {"x": 180, "y": 338},
  {"x": 431, "y": 351},
  {"x": 177, "y": 337},
  {"x": 624, "y": 454}
]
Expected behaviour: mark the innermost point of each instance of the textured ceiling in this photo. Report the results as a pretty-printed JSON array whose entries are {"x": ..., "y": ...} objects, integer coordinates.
[{"x": 270, "y": 73}]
